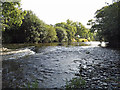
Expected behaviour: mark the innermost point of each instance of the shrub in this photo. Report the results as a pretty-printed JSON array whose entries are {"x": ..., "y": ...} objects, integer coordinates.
[{"x": 75, "y": 83}]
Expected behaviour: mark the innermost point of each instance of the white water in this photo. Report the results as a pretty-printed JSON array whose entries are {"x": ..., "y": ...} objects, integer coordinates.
[{"x": 17, "y": 54}]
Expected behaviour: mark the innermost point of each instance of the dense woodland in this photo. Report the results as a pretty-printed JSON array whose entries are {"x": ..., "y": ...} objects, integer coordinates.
[
  {"x": 106, "y": 22},
  {"x": 25, "y": 27}
]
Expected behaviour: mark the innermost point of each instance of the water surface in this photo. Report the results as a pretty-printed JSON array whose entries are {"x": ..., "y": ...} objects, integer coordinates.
[{"x": 52, "y": 64}]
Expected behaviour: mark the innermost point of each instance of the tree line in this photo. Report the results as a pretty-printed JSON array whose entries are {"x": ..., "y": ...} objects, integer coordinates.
[
  {"x": 107, "y": 20},
  {"x": 25, "y": 27}
]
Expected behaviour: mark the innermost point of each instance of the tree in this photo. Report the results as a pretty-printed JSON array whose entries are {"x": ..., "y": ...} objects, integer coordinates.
[
  {"x": 81, "y": 30},
  {"x": 107, "y": 23},
  {"x": 34, "y": 28},
  {"x": 12, "y": 14},
  {"x": 75, "y": 28},
  {"x": 61, "y": 34},
  {"x": 69, "y": 27},
  {"x": 51, "y": 34}
]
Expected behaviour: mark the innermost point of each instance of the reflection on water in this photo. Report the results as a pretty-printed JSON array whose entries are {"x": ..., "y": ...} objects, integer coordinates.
[
  {"x": 53, "y": 63},
  {"x": 17, "y": 46}
]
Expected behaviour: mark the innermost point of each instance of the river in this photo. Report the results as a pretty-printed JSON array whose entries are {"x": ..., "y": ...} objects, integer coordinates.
[{"x": 52, "y": 64}]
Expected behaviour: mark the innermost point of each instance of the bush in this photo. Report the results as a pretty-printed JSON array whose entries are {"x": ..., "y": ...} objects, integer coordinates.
[{"x": 75, "y": 83}]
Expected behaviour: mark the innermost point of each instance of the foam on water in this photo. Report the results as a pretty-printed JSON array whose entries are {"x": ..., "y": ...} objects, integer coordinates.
[{"x": 18, "y": 54}]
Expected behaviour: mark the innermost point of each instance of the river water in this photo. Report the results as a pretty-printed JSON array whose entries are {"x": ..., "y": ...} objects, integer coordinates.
[{"x": 52, "y": 65}]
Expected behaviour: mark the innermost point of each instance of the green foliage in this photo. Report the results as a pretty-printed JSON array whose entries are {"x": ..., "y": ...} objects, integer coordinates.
[
  {"x": 61, "y": 34},
  {"x": 75, "y": 28},
  {"x": 51, "y": 34},
  {"x": 69, "y": 27},
  {"x": 25, "y": 27},
  {"x": 34, "y": 28},
  {"x": 75, "y": 83},
  {"x": 33, "y": 85},
  {"x": 107, "y": 23},
  {"x": 12, "y": 14}
]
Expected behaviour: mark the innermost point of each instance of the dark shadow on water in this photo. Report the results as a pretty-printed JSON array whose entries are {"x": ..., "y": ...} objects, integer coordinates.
[
  {"x": 17, "y": 46},
  {"x": 12, "y": 74}
]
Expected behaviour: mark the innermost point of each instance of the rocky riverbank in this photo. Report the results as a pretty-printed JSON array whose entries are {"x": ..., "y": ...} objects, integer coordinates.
[{"x": 103, "y": 72}]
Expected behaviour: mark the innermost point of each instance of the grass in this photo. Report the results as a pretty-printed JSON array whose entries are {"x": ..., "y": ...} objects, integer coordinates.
[
  {"x": 77, "y": 82},
  {"x": 33, "y": 85}
]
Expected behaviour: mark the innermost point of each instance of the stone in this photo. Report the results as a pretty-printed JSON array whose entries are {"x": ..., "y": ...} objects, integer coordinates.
[
  {"x": 87, "y": 52},
  {"x": 41, "y": 79},
  {"x": 114, "y": 84},
  {"x": 56, "y": 60},
  {"x": 105, "y": 84}
]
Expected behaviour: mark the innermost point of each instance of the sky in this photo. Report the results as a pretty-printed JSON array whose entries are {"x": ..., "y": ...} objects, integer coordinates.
[{"x": 56, "y": 11}]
